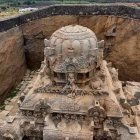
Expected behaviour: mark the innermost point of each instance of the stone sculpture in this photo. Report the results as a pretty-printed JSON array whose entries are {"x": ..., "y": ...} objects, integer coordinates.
[{"x": 73, "y": 97}]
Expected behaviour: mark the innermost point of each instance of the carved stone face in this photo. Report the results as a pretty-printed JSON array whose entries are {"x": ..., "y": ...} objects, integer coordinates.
[{"x": 71, "y": 77}]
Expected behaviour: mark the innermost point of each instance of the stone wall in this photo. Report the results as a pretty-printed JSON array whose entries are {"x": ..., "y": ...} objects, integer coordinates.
[
  {"x": 123, "y": 47},
  {"x": 91, "y": 9},
  {"x": 12, "y": 60}
]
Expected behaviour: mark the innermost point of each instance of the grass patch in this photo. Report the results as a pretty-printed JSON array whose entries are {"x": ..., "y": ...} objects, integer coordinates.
[
  {"x": 8, "y": 11},
  {"x": 12, "y": 94}
]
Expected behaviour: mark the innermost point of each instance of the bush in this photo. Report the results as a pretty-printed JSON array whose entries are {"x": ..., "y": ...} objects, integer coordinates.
[
  {"x": 19, "y": 3},
  {"x": 3, "y": 8},
  {"x": 33, "y": 2}
]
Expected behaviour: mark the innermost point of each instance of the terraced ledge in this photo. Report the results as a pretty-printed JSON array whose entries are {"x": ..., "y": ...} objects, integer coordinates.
[{"x": 81, "y": 10}]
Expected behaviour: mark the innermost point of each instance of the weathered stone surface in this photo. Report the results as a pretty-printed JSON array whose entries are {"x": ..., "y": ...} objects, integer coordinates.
[
  {"x": 12, "y": 60},
  {"x": 8, "y": 107},
  {"x": 3, "y": 114},
  {"x": 123, "y": 48},
  {"x": 125, "y": 53}
]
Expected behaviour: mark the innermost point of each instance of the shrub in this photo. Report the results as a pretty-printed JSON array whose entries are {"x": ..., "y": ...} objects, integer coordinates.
[{"x": 3, "y": 8}]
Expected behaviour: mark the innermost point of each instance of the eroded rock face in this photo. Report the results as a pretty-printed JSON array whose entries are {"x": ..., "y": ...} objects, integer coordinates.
[
  {"x": 125, "y": 50},
  {"x": 121, "y": 37},
  {"x": 12, "y": 60}
]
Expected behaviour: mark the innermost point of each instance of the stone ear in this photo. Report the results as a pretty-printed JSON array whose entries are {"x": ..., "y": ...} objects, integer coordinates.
[{"x": 46, "y": 42}]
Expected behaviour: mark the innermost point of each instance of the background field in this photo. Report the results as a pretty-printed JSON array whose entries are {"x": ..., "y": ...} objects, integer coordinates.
[{"x": 10, "y": 8}]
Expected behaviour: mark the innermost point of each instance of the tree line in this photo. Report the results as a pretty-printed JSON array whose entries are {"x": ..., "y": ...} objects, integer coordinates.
[{"x": 28, "y": 2}]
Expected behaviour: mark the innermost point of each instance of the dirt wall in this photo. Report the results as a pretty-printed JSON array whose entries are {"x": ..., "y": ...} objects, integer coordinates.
[{"x": 12, "y": 60}]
